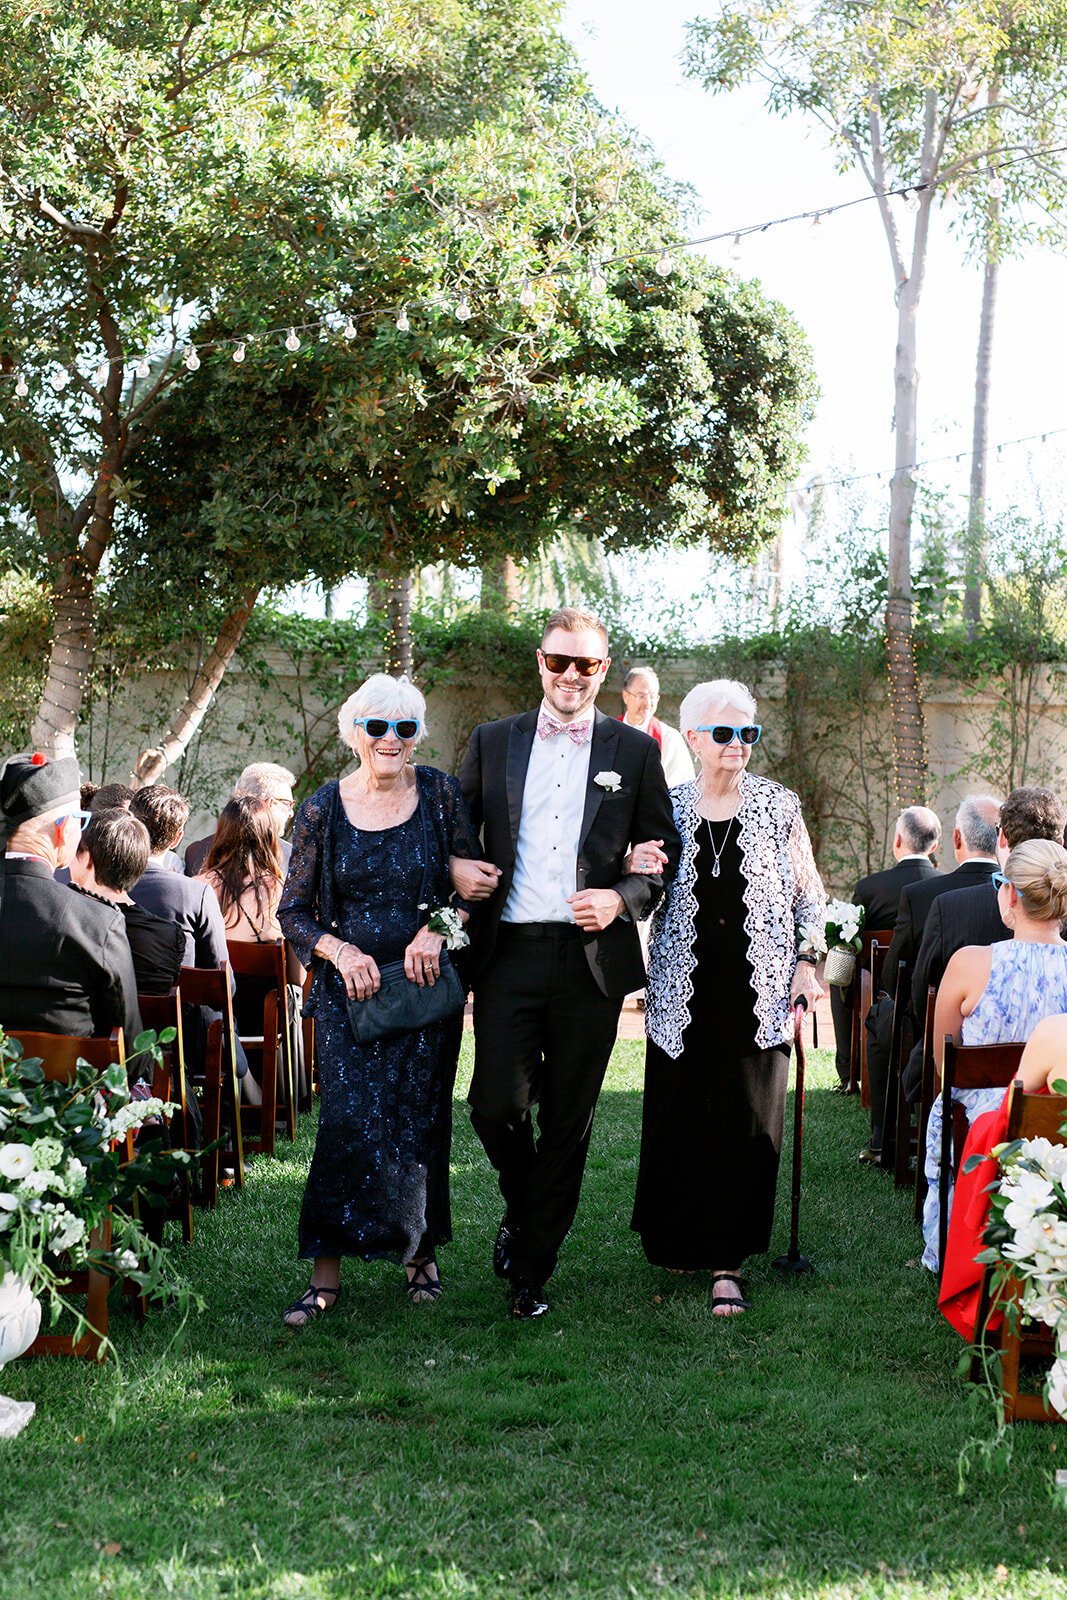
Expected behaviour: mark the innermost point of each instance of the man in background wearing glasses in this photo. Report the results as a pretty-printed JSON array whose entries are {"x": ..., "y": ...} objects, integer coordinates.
[
  {"x": 261, "y": 780},
  {"x": 559, "y": 793},
  {"x": 65, "y": 964}
]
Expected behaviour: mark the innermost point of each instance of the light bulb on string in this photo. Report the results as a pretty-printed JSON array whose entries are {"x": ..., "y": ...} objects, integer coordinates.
[
  {"x": 598, "y": 283},
  {"x": 463, "y": 310},
  {"x": 735, "y": 248},
  {"x": 192, "y": 360},
  {"x": 911, "y": 200},
  {"x": 142, "y": 369},
  {"x": 402, "y": 323},
  {"x": 101, "y": 375},
  {"x": 664, "y": 266},
  {"x": 349, "y": 330},
  {"x": 239, "y": 353},
  {"x": 22, "y": 388},
  {"x": 527, "y": 297},
  {"x": 59, "y": 380},
  {"x": 996, "y": 188},
  {"x": 292, "y": 340}
]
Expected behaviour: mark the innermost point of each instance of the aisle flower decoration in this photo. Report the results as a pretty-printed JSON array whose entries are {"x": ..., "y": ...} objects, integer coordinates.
[
  {"x": 838, "y": 939},
  {"x": 64, "y": 1169}
]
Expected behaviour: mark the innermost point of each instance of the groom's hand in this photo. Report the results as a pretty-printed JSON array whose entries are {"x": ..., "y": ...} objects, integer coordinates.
[{"x": 594, "y": 909}]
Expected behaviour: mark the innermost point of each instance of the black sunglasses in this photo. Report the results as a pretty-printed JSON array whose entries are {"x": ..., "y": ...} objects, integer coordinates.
[
  {"x": 723, "y": 734},
  {"x": 378, "y": 727},
  {"x": 587, "y": 666}
]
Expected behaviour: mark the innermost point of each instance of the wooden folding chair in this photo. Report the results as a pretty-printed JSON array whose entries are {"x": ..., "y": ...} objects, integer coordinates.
[
  {"x": 210, "y": 987},
  {"x": 59, "y": 1054},
  {"x": 160, "y": 1011},
  {"x": 926, "y": 1100},
  {"x": 1030, "y": 1116},
  {"x": 870, "y": 939},
  {"x": 966, "y": 1066},
  {"x": 265, "y": 964},
  {"x": 893, "y": 1096}
]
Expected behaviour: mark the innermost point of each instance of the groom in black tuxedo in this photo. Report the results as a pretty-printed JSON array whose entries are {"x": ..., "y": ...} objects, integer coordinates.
[{"x": 559, "y": 794}]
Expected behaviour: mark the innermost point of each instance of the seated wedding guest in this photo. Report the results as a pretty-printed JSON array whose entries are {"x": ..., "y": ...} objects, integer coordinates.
[
  {"x": 972, "y": 916},
  {"x": 85, "y": 795},
  {"x": 111, "y": 857},
  {"x": 640, "y": 698},
  {"x": 721, "y": 985},
  {"x": 65, "y": 963},
  {"x": 916, "y": 835},
  {"x": 370, "y": 865},
  {"x": 1043, "y": 1065},
  {"x": 997, "y": 994},
  {"x": 112, "y": 797},
  {"x": 974, "y": 841},
  {"x": 261, "y": 780}
]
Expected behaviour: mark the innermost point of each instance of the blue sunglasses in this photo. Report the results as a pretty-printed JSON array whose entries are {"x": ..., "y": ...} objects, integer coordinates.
[
  {"x": 82, "y": 816},
  {"x": 723, "y": 734},
  {"x": 378, "y": 727},
  {"x": 999, "y": 881}
]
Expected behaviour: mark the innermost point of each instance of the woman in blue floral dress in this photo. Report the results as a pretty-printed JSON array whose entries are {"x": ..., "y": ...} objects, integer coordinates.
[
  {"x": 370, "y": 862},
  {"x": 997, "y": 994}
]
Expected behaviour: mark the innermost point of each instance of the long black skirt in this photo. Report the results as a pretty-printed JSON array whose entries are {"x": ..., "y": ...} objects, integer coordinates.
[{"x": 711, "y": 1136}]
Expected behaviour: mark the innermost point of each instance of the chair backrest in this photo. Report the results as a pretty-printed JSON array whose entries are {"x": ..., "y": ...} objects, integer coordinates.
[
  {"x": 979, "y": 1066},
  {"x": 263, "y": 960},
  {"x": 1036, "y": 1116},
  {"x": 206, "y": 986},
  {"x": 159, "y": 1011},
  {"x": 59, "y": 1052}
]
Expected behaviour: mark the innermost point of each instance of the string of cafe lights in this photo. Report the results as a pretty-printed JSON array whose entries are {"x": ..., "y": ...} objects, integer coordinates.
[
  {"x": 885, "y": 474},
  {"x": 188, "y": 355}
]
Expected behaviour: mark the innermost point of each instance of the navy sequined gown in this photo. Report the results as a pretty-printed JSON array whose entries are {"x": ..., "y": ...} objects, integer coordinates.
[{"x": 378, "y": 1185}]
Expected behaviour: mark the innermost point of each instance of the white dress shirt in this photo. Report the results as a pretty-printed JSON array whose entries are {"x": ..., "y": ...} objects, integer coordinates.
[{"x": 550, "y": 829}]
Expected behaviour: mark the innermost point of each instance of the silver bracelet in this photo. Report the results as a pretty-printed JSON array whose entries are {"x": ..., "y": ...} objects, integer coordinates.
[{"x": 344, "y": 945}]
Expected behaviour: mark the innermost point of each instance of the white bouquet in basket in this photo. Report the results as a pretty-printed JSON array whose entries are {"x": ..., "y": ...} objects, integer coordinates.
[{"x": 843, "y": 923}]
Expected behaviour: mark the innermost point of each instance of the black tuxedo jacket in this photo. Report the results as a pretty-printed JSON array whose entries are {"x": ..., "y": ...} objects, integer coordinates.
[
  {"x": 493, "y": 778},
  {"x": 879, "y": 892},
  {"x": 915, "y": 902},
  {"x": 192, "y": 905},
  {"x": 65, "y": 964}
]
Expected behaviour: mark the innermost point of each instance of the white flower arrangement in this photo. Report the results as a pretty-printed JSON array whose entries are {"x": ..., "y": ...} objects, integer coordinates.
[
  {"x": 447, "y": 922},
  {"x": 843, "y": 923},
  {"x": 611, "y": 781}
]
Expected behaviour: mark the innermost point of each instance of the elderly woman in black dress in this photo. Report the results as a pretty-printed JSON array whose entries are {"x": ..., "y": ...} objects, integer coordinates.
[
  {"x": 728, "y": 960},
  {"x": 370, "y": 864}
]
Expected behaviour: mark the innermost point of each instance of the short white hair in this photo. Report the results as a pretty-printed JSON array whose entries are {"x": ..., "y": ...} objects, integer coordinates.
[
  {"x": 381, "y": 696},
  {"x": 703, "y": 701},
  {"x": 261, "y": 780}
]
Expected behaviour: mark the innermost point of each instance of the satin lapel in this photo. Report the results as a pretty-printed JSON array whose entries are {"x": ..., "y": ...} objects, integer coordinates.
[
  {"x": 605, "y": 742},
  {"x": 520, "y": 743}
]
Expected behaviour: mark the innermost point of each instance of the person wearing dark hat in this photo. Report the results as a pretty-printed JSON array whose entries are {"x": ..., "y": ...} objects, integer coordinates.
[{"x": 65, "y": 964}]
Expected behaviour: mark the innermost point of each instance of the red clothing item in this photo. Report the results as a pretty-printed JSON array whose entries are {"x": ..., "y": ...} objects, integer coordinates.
[
  {"x": 654, "y": 730},
  {"x": 961, "y": 1281}
]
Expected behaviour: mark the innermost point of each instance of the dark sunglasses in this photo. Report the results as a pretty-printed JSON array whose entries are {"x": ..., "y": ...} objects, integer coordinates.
[
  {"x": 587, "y": 666},
  {"x": 378, "y": 727},
  {"x": 724, "y": 735}
]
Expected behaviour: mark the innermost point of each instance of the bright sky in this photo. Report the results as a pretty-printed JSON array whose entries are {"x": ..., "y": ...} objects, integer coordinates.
[{"x": 748, "y": 167}]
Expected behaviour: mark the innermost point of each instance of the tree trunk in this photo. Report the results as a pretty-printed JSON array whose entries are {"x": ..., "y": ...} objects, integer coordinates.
[
  {"x": 154, "y": 761},
  {"x": 397, "y": 610},
  {"x": 501, "y": 586},
  {"x": 905, "y": 705},
  {"x": 974, "y": 552},
  {"x": 69, "y": 664}
]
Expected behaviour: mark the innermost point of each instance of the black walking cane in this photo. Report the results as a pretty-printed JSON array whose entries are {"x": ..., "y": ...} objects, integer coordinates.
[{"x": 793, "y": 1261}]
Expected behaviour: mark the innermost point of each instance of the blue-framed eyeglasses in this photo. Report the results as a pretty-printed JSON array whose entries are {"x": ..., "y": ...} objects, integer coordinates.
[
  {"x": 722, "y": 733},
  {"x": 998, "y": 880},
  {"x": 82, "y": 816},
  {"x": 378, "y": 727}
]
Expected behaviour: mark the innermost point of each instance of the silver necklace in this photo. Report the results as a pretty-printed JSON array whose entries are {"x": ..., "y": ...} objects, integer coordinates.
[{"x": 717, "y": 853}]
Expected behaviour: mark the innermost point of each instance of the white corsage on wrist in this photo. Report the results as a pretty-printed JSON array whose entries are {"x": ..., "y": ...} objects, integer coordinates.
[
  {"x": 611, "y": 781},
  {"x": 447, "y": 922}
]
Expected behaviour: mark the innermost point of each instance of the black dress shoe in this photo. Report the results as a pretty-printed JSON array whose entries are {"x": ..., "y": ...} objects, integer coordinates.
[
  {"x": 502, "y": 1244},
  {"x": 528, "y": 1301},
  {"x": 871, "y": 1157}
]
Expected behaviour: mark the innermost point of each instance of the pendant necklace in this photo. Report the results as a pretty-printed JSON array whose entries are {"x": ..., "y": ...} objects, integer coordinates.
[{"x": 717, "y": 852}]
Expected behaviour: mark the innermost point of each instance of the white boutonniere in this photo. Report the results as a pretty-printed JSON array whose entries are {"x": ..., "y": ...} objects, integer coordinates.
[{"x": 611, "y": 781}]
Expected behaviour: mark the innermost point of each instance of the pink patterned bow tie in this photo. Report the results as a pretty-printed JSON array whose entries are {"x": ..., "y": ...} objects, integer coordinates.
[{"x": 577, "y": 732}]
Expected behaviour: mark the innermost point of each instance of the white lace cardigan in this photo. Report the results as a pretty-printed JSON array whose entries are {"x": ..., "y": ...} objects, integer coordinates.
[{"x": 782, "y": 890}]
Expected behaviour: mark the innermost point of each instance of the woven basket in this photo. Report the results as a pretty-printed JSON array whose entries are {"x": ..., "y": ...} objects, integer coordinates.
[{"x": 840, "y": 965}]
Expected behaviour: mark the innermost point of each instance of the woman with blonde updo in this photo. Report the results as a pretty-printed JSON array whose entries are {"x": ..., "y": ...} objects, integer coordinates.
[{"x": 997, "y": 994}]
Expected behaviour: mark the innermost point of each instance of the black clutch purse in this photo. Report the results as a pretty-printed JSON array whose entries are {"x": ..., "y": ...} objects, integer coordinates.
[{"x": 400, "y": 1006}]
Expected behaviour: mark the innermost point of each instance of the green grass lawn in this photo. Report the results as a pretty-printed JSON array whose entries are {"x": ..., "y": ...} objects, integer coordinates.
[{"x": 627, "y": 1445}]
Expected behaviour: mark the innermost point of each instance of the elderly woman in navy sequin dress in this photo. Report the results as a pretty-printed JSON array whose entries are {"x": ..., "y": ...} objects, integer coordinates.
[{"x": 363, "y": 849}]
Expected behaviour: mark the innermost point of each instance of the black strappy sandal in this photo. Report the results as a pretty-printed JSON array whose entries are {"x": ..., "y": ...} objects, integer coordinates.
[
  {"x": 724, "y": 1300},
  {"x": 421, "y": 1288},
  {"x": 309, "y": 1305}
]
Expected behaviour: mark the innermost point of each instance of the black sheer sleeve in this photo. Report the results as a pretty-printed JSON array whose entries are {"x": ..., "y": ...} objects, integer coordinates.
[{"x": 300, "y": 910}]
